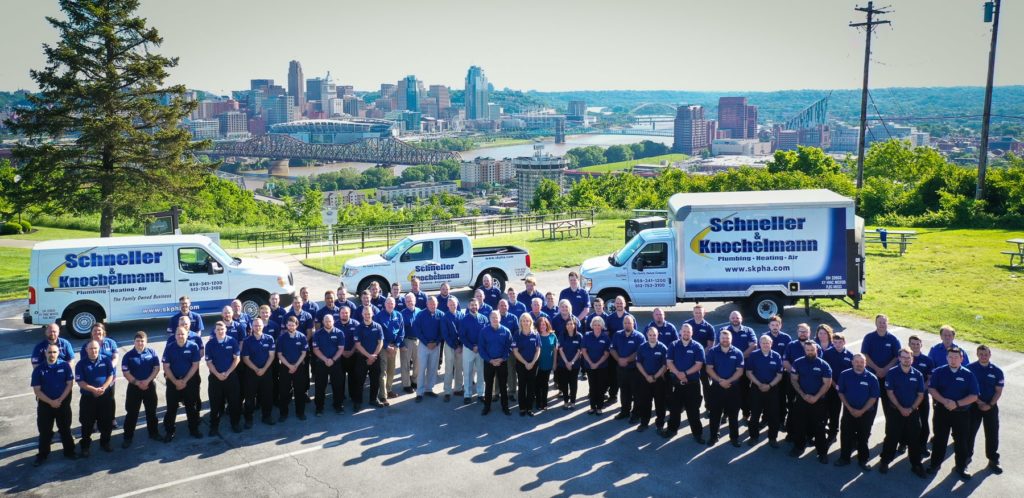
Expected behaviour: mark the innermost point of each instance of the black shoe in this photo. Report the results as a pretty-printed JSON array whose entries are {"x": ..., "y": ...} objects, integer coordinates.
[
  {"x": 377, "y": 404},
  {"x": 925, "y": 453},
  {"x": 432, "y": 394},
  {"x": 641, "y": 428},
  {"x": 621, "y": 416},
  {"x": 447, "y": 398},
  {"x": 995, "y": 468},
  {"x": 301, "y": 416},
  {"x": 842, "y": 462},
  {"x": 267, "y": 421},
  {"x": 38, "y": 461},
  {"x": 419, "y": 399},
  {"x": 236, "y": 428},
  {"x": 196, "y": 434},
  {"x": 319, "y": 412},
  {"x": 634, "y": 419},
  {"x": 85, "y": 453},
  {"x": 823, "y": 459},
  {"x": 106, "y": 447},
  {"x": 933, "y": 469},
  {"x": 796, "y": 452},
  {"x": 918, "y": 471},
  {"x": 773, "y": 443},
  {"x": 507, "y": 411},
  {"x": 736, "y": 443},
  {"x": 414, "y": 386},
  {"x": 248, "y": 423},
  {"x": 467, "y": 401},
  {"x": 752, "y": 442},
  {"x": 127, "y": 443},
  {"x": 699, "y": 440},
  {"x": 712, "y": 441},
  {"x": 408, "y": 390},
  {"x": 865, "y": 467},
  {"x": 883, "y": 468},
  {"x": 487, "y": 410},
  {"x": 214, "y": 432},
  {"x": 962, "y": 473},
  {"x": 168, "y": 437}
]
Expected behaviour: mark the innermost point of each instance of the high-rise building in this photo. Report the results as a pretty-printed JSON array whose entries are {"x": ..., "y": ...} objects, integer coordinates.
[
  {"x": 203, "y": 129},
  {"x": 280, "y": 109},
  {"x": 439, "y": 99},
  {"x": 346, "y": 90},
  {"x": 690, "y": 130},
  {"x": 485, "y": 171},
  {"x": 530, "y": 171},
  {"x": 577, "y": 111},
  {"x": 736, "y": 117},
  {"x": 844, "y": 138},
  {"x": 260, "y": 84},
  {"x": 233, "y": 124},
  {"x": 712, "y": 130},
  {"x": 816, "y": 136},
  {"x": 409, "y": 92},
  {"x": 477, "y": 94},
  {"x": 295, "y": 84},
  {"x": 353, "y": 106}
]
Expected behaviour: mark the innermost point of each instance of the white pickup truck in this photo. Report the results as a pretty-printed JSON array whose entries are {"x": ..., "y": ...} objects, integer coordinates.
[{"x": 437, "y": 258}]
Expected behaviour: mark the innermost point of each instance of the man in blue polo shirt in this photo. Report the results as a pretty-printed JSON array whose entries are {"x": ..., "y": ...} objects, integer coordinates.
[
  {"x": 185, "y": 309},
  {"x": 331, "y": 307},
  {"x": 453, "y": 373},
  {"x": 577, "y": 296},
  {"x": 308, "y": 305},
  {"x": 328, "y": 343},
  {"x": 858, "y": 391},
  {"x": 530, "y": 293},
  {"x": 241, "y": 317},
  {"x": 140, "y": 366},
  {"x": 377, "y": 296},
  {"x": 369, "y": 341},
  {"x": 905, "y": 386},
  {"x": 495, "y": 347},
  {"x": 365, "y": 301},
  {"x": 222, "y": 359},
  {"x": 51, "y": 382},
  {"x": 811, "y": 377},
  {"x": 685, "y": 364},
  {"x": 986, "y": 410},
  {"x": 410, "y": 358},
  {"x": 764, "y": 371},
  {"x": 257, "y": 380},
  {"x": 725, "y": 367},
  {"x": 780, "y": 340},
  {"x": 277, "y": 312},
  {"x": 954, "y": 389},
  {"x": 305, "y": 320},
  {"x": 651, "y": 366},
  {"x": 514, "y": 306},
  {"x": 625, "y": 345},
  {"x": 292, "y": 347},
  {"x": 65, "y": 351},
  {"x": 881, "y": 350},
  {"x": 394, "y": 337},
  {"x": 95, "y": 375},
  {"x": 421, "y": 297},
  {"x": 427, "y": 327},
  {"x": 271, "y": 326},
  {"x": 511, "y": 322},
  {"x": 839, "y": 359},
  {"x": 938, "y": 352},
  {"x": 181, "y": 369},
  {"x": 667, "y": 333},
  {"x": 492, "y": 294},
  {"x": 704, "y": 334},
  {"x": 744, "y": 339},
  {"x": 924, "y": 364},
  {"x": 471, "y": 325},
  {"x": 233, "y": 328}
]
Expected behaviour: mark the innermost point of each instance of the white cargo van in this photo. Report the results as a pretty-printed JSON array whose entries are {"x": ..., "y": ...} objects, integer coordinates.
[{"x": 84, "y": 281}]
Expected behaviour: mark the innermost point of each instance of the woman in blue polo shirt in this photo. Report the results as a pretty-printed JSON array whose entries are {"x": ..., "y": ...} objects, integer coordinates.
[
  {"x": 548, "y": 344},
  {"x": 568, "y": 364},
  {"x": 527, "y": 350},
  {"x": 596, "y": 350}
]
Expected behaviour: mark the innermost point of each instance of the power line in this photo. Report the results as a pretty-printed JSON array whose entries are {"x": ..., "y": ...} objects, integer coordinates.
[{"x": 879, "y": 114}]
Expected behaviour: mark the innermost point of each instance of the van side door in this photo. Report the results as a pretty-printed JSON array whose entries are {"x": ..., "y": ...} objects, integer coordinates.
[
  {"x": 201, "y": 277},
  {"x": 650, "y": 277},
  {"x": 418, "y": 260}
]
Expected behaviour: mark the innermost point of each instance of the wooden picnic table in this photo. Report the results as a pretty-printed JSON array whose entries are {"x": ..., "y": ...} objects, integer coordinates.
[
  {"x": 1017, "y": 255},
  {"x": 565, "y": 227},
  {"x": 902, "y": 238}
]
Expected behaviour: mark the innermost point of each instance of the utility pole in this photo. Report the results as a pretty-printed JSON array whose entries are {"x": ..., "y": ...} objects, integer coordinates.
[
  {"x": 869, "y": 26},
  {"x": 991, "y": 14}
]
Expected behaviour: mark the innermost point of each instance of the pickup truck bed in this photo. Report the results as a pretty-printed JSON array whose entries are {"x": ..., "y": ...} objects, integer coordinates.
[{"x": 497, "y": 250}]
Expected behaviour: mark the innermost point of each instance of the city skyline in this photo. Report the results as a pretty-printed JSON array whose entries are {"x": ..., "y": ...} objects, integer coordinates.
[{"x": 734, "y": 45}]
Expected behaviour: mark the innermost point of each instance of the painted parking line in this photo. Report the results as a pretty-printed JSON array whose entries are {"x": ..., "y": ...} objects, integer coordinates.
[{"x": 22, "y": 395}]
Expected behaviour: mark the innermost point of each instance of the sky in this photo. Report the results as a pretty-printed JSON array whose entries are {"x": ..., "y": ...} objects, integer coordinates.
[{"x": 552, "y": 45}]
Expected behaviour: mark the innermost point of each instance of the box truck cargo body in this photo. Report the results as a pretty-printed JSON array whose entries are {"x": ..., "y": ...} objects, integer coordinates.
[{"x": 764, "y": 249}]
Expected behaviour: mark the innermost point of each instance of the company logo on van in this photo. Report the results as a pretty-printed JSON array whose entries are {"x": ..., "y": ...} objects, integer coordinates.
[
  {"x": 758, "y": 244},
  {"x": 89, "y": 259}
]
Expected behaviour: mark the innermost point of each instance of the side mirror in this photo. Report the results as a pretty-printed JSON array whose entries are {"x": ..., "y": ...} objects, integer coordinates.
[
  {"x": 214, "y": 267},
  {"x": 639, "y": 263}
]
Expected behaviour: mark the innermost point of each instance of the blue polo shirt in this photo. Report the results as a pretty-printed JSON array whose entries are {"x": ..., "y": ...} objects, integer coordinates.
[
  {"x": 442, "y": 302},
  {"x": 408, "y": 315},
  {"x": 516, "y": 308},
  {"x": 764, "y": 366},
  {"x": 486, "y": 309},
  {"x": 954, "y": 385},
  {"x": 470, "y": 327},
  {"x": 925, "y": 365},
  {"x": 66, "y": 354},
  {"x": 537, "y": 316},
  {"x": 427, "y": 326},
  {"x": 549, "y": 310},
  {"x": 52, "y": 379},
  {"x": 180, "y": 358},
  {"x": 813, "y": 373},
  {"x": 491, "y": 296},
  {"x": 140, "y": 365},
  {"x": 526, "y": 298},
  {"x": 587, "y": 319},
  {"x": 291, "y": 347},
  {"x": 725, "y": 363},
  {"x": 989, "y": 378},
  {"x": 258, "y": 350},
  {"x": 108, "y": 347},
  {"x": 858, "y": 388},
  {"x": 329, "y": 341},
  {"x": 310, "y": 306},
  {"x": 394, "y": 327},
  {"x": 193, "y": 337},
  {"x": 421, "y": 300},
  {"x": 779, "y": 342},
  {"x": 305, "y": 322},
  {"x": 579, "y": 299},
  {"x": 596, "y": 346},
  {"x": 838, "y": 362},
  {"x": 652, "y": 357},
  {"x": 278, "y": 315},
  {"x": 526, "y": 344},
  {"x": 235, "y": 329},
  {"x": 352, "y": 308},
  {"x": 795, "y": 351},
  {"x": 703, "y": 333},
  {"x": 684, "y": 356},
  {"x": 548, "y": 344},
  {"x": 335, "y": 312},
  {"x": 508, "y": 321},
  {"x": 625, "y": 344},
  {"x": 667, "y": 333},
  {"x": 272, "y": 327},
  {"x": 246, "y": 321},
  {"x": 613, "y": 322},
  {"x": 495, "y": 343},
  {"x": 905, "y": 385},
  {"x": 349, "y": 330},
  {"x": 450, "y": 329},
  {"x": 373, "y": 312},
  {"x": 379, "y": 301},
  {"x": 222, "y": 353},
  {"x": 570, "y": 345},
  {"x": 94, "y": 373},
  {"x": 743, "y": 338},
  {"x": 558, "y": 324},
  {"x": 938, "y": 355},
  {"x": 195, "y": 322},
  {"x": 369, "y": 336},
  {"x": 881, "y": 349}
]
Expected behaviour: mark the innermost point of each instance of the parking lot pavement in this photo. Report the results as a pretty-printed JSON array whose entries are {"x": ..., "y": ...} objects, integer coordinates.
[{"x": 412, "y": 447}]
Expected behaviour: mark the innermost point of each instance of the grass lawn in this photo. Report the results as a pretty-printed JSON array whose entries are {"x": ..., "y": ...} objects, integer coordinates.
[
  {"x": 623, "y": 165},
  {"x": 957, "y": 277},
  {"x": 13, "y": 273},
  {"x": 47, "y": 233},
  {"x": 545, "y": 254}
]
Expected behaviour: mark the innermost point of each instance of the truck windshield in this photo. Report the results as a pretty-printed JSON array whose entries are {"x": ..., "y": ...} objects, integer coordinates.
[
  {"x": 623, "y": 255},
  {"x": 397, "y": 249},
  {"x": 222, "y": 255}
]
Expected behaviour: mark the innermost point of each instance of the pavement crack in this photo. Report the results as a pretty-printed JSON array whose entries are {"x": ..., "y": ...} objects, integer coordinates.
[{"x": 306, "y": 472}]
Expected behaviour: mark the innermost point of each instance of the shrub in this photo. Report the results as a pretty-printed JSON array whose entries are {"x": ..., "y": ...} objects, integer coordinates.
[
  {"x": 10, "y": 228},
  {"x": 26, "y": 227}
]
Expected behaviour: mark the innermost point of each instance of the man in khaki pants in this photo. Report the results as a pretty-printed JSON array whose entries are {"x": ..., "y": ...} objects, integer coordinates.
[
  {"x": 410, "y": 350},
  {"x": 394, "y": 338}
]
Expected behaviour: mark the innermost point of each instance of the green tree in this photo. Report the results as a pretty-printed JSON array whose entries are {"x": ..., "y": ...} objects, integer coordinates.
[
  {"x": 590, "y": 155},
  {"x": 618, "y": 153},
  {"x": 548, "y": 197},
  {"x": 808, "y": 160},
  {"x": 306, "y": 210},
  {"x": 104, "y": 86}
]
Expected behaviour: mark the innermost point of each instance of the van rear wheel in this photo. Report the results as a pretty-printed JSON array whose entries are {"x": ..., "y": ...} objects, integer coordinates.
[
  {"x": 765, "y": 306},
  {"x": 251, "y": 302},
  {"x": 79, "y": 320}
]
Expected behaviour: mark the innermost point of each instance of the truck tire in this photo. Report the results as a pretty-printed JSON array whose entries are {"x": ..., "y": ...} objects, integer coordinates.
[
  {"x": 251, "y": 302},
  {"x": 80, "y": 317},
  {"x": 385, "y": 287},
  {"x": 763, "y": 306},
  {"x": 498, "y": 279},
  {"x": 609, "y": 295}
]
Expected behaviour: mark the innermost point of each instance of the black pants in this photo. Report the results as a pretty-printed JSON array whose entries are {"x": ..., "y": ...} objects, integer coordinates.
[
  {"x": 333, "y": 375},
  {"x": 46, "y": 415},
  {"x": 810, "y": 419},
  {"x": 646, "y": 392},
  {"x": 786, "y": 395},
  {"x": 348, "y": 366},
  {"x": 744, "y": 384},
  {"x": 903, "y": 430},
  {"x": 685, "y": 396},
  {"x": 625, "y": 376},
  {"x": 764, "y": 403},
  {"x": 597, "y": 381},
  {"x": 134, "y": 399},
  {"x": 855, "y": 433},
  {"x": 189, "y": 398},
  {"x": 228, "y": 390},
  {"x": 612, "y": 384},
  {"x": 834, "y": 406},
  {"x": 258, "y": 390},
  {"x": 923, "y": 415},
  {"x": 959, "y": 423},
  {"x": 198, "y": 400},
  {"x": 527, "y": 380},
  {"x": 501, "y": 372},
  {"x": 96, "y": 412},
  {"x": 540, "y": 389},
  {"x": 990, "y": 420},
  {"x": 362, "y": 368},
  {"x": 568, "y": 383},
  {"x": 705, "y": 384},
  {"x": 724, "y": 402},
  {"x": 292, "y": 385}
]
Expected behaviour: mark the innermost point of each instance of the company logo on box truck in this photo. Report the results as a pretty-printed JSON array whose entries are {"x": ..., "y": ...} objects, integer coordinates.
[
  {"x": 700, "y": 245},
  {"x": 89, "y": 259}
]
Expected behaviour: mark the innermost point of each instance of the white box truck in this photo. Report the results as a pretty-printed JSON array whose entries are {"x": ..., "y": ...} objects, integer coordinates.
[
  {"x": 764, "y": 249},
  {"x": 84, "y": 281}
]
